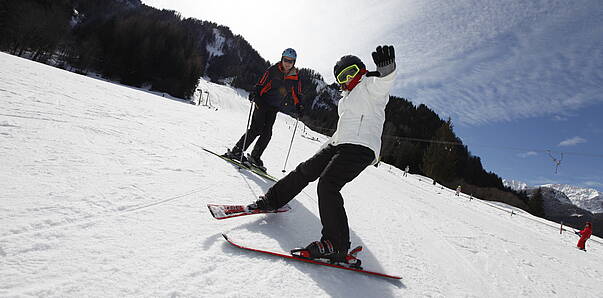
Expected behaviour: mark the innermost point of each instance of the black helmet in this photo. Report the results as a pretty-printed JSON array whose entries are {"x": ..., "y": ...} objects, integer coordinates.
[{"x": 346, "y": 61}]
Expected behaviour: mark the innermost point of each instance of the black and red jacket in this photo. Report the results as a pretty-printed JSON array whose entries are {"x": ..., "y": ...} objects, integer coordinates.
[{"x": 279, "y": 90}]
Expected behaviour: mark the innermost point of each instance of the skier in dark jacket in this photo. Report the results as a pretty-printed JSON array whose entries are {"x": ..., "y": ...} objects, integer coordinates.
[
  {"x": 278, "y": 89},
  {"x": 355, "y": 145},
  {"x": 584, "y": 235}
]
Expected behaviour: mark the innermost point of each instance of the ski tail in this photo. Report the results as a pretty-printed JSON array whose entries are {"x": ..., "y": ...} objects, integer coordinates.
[{"x": 219, "y": 211}]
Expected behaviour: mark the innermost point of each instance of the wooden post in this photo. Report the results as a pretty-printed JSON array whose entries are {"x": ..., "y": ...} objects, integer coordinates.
[{"x": 561, "y": 228}]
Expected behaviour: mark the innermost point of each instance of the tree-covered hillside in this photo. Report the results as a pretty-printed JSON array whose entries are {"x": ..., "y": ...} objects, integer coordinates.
[{"x": 126, "y": 41}]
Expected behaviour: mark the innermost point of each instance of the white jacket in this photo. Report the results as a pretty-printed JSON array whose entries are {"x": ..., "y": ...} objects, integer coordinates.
[{"x": 362, "y": 114}]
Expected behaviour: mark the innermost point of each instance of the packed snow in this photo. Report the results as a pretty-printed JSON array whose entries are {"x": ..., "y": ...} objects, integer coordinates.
[{"x": 104, "y": 190}]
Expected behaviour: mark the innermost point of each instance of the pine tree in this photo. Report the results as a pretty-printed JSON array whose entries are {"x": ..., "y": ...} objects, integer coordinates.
[
  {"x": 536, "y": 204},
  {"x": 439, "y": 161}
]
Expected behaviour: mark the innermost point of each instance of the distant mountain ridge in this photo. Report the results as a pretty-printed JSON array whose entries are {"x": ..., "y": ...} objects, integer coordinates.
[
  {"x": 585, "y": 198},
  {"x": 571, "y": 205},
  {"x": 515, "y": 185}
]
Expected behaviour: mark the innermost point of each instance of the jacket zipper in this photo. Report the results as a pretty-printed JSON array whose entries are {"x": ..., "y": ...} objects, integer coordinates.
[{"x": 359, "y": 125}]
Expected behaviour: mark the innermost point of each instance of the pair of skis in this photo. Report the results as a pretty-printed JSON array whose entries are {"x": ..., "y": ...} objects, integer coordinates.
[
  {"x": 220, "y": 212},
  {"x": 245, "y": 166},
  {"x": 229, "y": 211}
]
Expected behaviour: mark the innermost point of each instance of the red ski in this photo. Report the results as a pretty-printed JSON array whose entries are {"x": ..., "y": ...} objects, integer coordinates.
[
  {"x": 312, "y": 261},
  {"x": 219, "y": 211}
]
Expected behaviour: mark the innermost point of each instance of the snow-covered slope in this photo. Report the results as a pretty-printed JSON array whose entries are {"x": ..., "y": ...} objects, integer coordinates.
[{"x": 104, "y": 187}]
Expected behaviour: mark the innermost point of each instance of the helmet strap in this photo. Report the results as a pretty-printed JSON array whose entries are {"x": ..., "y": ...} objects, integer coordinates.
[{"x": 355, "y": 80}]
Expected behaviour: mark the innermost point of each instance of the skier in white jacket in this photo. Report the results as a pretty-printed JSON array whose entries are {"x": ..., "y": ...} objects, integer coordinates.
[{"x": 355, "y": 145}]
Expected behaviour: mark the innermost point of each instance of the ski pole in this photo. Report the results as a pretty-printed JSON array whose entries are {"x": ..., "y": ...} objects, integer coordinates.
[
  {"x": 289, "y": 151},
  {"x": 247, "y": 130}
]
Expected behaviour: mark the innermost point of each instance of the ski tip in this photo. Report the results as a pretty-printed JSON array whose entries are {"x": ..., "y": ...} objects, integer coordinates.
[
  {"x": 285, "y": 208},
  {"x": 211, "y": 211}
]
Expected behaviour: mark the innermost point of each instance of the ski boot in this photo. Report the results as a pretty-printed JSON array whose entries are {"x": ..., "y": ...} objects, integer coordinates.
[
  {"x": 324, "y": 250},
  {"x": 256, "y": 162},
  {"x": 261, "y": 204},
  {"x": 234, "y": 154}
]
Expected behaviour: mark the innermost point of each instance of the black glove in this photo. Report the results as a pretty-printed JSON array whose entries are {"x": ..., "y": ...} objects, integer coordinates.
[
  {"x": 577, "y": 233},
  {"x": 384, "y": 55},
  {"x": 385, "y": 59}
]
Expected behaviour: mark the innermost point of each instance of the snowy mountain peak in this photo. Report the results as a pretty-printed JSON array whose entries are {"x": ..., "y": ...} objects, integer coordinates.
[
  {"x": 585, "y": 198},
  {"x": 515, "y": 185},
  {"x": 555, "y": 194}
]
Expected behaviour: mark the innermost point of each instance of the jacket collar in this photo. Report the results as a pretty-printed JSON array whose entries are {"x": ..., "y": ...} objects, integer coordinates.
[
  {"x": 355, "y": 80},
  {"x": 292, "y": 72}
]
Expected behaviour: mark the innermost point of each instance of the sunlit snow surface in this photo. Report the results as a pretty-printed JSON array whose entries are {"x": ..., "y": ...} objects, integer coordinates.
[{"x": 103, "y": 192}]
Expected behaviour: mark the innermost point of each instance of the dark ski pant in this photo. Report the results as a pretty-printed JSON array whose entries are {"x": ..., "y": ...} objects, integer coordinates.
[
  {"x": 261, "y": 125},
  {"x": 334, "y": 167}
]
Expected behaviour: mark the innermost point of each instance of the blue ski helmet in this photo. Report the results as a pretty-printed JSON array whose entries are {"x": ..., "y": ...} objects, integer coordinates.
[{"x": 289, "y": 52}]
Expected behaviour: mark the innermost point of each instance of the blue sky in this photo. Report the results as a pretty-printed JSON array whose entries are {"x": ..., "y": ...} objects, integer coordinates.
[
  {"x": 517, "y": 149},
  {"x": 516, "y": 77}
]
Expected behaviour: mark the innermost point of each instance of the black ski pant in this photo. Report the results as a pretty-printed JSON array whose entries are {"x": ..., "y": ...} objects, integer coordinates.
[
  {"x": 261, "y": 125},
  {"x": 334, "y": 167}
]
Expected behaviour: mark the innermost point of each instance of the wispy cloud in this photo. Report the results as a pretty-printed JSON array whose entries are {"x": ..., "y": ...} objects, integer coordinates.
[
  {"x": 593, "y": 183},
  {"x": 573, "y": 141},
  {"x": 486, "y": 69},
  {"x": 559, "y": 118},
  {"x": 478, "y": 62},
  {"x": 527, "y": 154},
  {"x": 542, "y": 180}
]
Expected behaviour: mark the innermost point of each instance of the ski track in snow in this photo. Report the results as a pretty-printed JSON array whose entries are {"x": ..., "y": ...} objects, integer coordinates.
[{"x": 104, "y": 193}]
